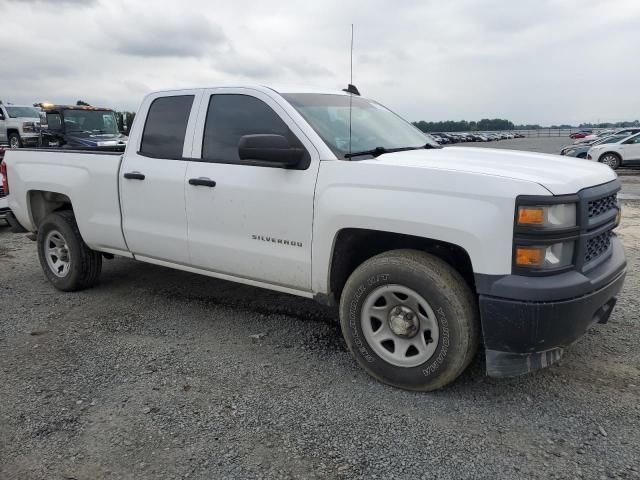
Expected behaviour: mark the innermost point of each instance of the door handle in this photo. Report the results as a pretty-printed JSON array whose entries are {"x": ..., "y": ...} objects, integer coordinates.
[
  {"x": 134, "y": 176},
  {"x": 202, "y": 181}
]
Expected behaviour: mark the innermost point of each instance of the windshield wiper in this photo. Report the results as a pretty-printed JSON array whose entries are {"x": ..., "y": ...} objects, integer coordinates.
[{"x": 376, "y": 152}]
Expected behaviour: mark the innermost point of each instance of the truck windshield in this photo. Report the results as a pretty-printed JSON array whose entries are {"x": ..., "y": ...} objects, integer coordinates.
[
  {"x": 90, "y": 121},
  {"x": 372, "y": 125},
  {"x": 22, "y": 112}
]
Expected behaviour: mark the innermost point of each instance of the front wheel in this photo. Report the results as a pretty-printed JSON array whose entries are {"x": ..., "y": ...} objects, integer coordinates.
[
  {"x": 613, "y": 160},
  {"x": 15, "y": 141},
  {"x": 68, "y": 263},
  {"x": 410, "y": 320}
]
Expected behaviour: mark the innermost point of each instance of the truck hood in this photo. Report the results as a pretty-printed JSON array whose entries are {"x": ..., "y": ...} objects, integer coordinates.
[{"x": 560, "y": 175}]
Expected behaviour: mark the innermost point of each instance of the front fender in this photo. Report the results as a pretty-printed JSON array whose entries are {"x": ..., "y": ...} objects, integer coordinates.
[{"x": 474, "y": 212}]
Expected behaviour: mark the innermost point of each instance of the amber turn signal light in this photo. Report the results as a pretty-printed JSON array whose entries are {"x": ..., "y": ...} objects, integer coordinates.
[
  {"x": 530, "y": 256},
  {"x": 530, "y": 216}
]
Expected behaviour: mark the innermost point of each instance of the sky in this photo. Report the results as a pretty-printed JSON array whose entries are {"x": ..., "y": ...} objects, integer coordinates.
[{"x": 541, "y": 61}]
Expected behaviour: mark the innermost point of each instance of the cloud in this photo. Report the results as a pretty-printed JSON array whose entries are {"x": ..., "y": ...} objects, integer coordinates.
[
  {"x": 80, "y": 3},
  {"x": 537, "y": 62},
  {"x": 170, "y": 37}
]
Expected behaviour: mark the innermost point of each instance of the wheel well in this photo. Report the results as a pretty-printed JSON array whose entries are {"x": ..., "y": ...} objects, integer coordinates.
[
  {"x": 354, "y": 246},
  {"x": 42, "y": 203},
  {"x": 12, "y": 130},
  {"x": 611, "y": 153}
]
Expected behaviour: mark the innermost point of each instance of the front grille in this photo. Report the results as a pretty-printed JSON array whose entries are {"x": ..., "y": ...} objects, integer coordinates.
[
  {"x": 2, "y": 194},
  {"x": 597, "y": 245},
  {"x": 602, "y": 205}
]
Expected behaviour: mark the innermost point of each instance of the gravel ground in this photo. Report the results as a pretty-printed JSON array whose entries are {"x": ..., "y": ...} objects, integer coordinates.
[{"x": 157, "y": 373}]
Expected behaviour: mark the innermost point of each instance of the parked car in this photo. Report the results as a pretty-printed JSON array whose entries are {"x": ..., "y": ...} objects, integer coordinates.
[
  {"x": 81, "y": 128},
  {"x": 627, "y": 131},
  {"x": 19, "y": 125},
  {"x": 440, "y": 138},
  {"x": 622, "y": 152},
  {"x": 421, "y": 247},
  {"x": 594, "y": 136},
  {"x": 4, "y": 202},
  {"x": 580, "y": 150},
  {"x": 581, "y": 134},
  {"x": 519, "y": 135}
]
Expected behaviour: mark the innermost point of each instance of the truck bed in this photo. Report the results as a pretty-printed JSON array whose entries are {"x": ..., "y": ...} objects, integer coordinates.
[{"x": 88, "y": 178}]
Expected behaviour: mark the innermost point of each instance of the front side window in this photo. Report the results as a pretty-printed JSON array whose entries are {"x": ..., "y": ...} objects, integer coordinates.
[
  {"x": 371, "y": 126},
  {"x": 166, "y": 127},
  {"x": 229, "y": 117}
]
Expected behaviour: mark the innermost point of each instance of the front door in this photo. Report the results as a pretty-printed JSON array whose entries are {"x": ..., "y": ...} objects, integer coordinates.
[
  {"x": 247, "y": 220},
  {"x": 152, "y": 180}
]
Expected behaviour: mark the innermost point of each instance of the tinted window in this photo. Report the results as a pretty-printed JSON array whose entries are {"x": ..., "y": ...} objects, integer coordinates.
[
  {"x": 165, "y": 128},
  {"x": 229, "y": 117},
  {"x": 54, "y": 122}
]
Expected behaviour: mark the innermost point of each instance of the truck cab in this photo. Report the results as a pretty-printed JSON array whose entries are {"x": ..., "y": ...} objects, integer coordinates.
[
  {"x": 19, "y": 125},
  {"x": 81, "y": 127}
]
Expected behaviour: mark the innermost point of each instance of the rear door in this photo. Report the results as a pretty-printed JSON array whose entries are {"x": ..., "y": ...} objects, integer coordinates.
[
  {"x": 631, "y": 150},
  {"x": 152, "y": 177},
  {"x": 250, "y": 221}
]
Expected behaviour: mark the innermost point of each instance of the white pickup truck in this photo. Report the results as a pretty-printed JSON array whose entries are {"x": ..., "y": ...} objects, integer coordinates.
[{"x": 428, "y": 251}]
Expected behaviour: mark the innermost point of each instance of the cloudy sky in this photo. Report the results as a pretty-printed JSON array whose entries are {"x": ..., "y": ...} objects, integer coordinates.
[{"x": 538, "y": 61}]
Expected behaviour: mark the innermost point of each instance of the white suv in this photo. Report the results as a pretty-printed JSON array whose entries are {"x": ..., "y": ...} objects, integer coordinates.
[
  {"x": 623, "y": 152},
  {"x": 19, "y": 125}
]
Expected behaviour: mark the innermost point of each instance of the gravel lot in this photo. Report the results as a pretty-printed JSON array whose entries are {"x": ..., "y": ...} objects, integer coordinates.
[{"x": 163, "y": 374}]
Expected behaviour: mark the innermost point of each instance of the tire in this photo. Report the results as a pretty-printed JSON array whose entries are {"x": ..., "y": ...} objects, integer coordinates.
[
  {"x": 15, "y": 141},
  {"x": 66, "y": 260},
  {"x": 611, "y": 159},
  {"x": 448, "y": 327}
]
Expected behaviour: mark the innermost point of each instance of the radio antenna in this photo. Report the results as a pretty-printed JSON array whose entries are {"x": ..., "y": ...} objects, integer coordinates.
[{"x": 349, "y": 87}]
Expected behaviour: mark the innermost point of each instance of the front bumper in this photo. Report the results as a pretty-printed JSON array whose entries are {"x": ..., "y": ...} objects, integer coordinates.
[
  {"x": 30, "y": 139},
  {"x": 522, "y": 335}
]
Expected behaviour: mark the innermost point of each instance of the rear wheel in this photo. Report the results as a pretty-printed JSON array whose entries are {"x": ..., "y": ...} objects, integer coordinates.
[
  {"x": 611, "y": 159},
  {"x": 15, "y": 141},
  {"x": 410, "y": 320},
  {"x": 68, "y": 263}
]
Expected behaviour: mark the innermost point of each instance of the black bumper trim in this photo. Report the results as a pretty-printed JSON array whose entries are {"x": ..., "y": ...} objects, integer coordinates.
[{"x": 522, "y": 336}]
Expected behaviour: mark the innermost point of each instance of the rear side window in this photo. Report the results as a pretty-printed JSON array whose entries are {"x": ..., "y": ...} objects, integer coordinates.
[
  {"x": 229, "y": 117},
  {"x": 165, "y": 128}
]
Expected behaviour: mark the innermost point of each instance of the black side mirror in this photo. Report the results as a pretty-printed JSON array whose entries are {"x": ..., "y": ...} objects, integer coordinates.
[{"x": 274, "y": 149}]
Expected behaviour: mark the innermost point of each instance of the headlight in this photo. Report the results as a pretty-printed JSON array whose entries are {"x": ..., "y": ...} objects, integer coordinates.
[
  {"x": 562, "y": 215},
  {"x": 547, "y": 257},
  {"x": 28, "y": 127}
]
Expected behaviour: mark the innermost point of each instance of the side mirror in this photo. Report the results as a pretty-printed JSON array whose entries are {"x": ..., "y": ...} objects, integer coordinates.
[{"x": 274, "y": 149}]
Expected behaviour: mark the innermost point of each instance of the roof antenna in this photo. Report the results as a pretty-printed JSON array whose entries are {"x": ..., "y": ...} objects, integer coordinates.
[{"x": 351, "y": 88}]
